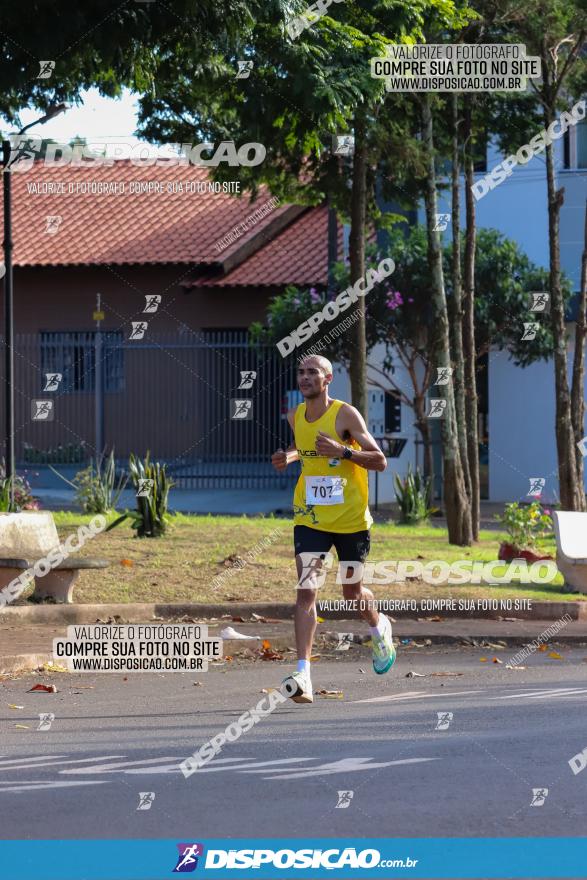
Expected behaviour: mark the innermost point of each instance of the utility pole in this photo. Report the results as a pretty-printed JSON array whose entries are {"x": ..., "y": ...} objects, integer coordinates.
[
  {"x": 98, "y": 380},
  {"x": 8, "y": 321}
]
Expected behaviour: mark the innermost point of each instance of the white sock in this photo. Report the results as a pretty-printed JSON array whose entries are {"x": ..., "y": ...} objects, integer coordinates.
[
  {"x": 381, "y": 626},
  {"x": 304, "y": 666}
]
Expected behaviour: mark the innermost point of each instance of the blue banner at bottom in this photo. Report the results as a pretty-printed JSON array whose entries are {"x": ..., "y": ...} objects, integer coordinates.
[{"x": 305, "y": 858}]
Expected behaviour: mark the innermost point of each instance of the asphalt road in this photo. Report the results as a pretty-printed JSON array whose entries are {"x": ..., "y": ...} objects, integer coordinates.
[{"x": 511, "y": 731}]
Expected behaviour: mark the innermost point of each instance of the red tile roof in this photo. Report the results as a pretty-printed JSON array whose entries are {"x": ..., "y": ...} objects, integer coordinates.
[
  {"x": 297, "y": 255},
  {"x": 159, "y": 226}
]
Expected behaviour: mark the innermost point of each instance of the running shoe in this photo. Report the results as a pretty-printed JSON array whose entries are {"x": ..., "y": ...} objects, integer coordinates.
[
  {"x": 384, "y": 652},
  {"x": 299, "y": 687}
]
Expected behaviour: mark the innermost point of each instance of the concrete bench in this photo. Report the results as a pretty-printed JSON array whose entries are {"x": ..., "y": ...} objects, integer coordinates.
[
  {"x": 26, "y": 538},
  {"x": 570, "y": 529}
]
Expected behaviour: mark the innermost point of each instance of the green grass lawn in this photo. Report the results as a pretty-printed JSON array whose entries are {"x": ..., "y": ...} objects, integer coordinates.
[{"x": 182, "y": 566}]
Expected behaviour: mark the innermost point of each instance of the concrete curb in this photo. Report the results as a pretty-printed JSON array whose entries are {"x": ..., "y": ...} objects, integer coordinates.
[
  {"x": 23, "y": 662},
  {"x": 145, "y": 611}
]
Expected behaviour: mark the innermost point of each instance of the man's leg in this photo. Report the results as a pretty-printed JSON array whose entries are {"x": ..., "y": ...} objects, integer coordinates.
[
  {"x": 312, "y": 558},
  {"x": 353, "y": 549},
  {"x": 356, "y": 590},
  {"x": 305, "y": 617}
]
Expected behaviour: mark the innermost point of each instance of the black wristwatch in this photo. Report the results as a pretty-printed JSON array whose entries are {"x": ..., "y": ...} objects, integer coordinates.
[{"x": 348, "y": 452}]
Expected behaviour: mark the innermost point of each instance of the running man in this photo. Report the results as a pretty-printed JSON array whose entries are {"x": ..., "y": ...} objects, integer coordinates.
[{"x": 330, "y": 504}]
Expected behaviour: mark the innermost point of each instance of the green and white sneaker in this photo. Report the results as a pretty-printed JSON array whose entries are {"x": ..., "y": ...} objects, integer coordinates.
[
  {"x": 384, "y": 652},
  {"x": 299, "y": 687}
]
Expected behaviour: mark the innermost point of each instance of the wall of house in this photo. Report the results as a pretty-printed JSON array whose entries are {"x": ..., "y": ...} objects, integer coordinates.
[
  {"x": 167, "y": 402},
  {"x": 572, "y": 222},
  {"x": 522, "y": 428},
  {"x": 63, "y": 298}
]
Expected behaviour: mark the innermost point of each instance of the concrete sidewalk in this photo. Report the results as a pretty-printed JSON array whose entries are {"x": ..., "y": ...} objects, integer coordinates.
[{"x": 27, "y": 646}]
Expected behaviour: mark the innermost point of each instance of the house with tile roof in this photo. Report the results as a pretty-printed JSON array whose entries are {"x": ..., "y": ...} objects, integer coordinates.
[{"x": 155, "y": 273}]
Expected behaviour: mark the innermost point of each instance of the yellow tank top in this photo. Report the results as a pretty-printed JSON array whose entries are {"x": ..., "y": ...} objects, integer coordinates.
[{"x": 351, "y": 514}]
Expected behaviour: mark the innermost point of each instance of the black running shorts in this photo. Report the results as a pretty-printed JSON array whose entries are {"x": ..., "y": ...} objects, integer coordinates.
[{"x": 350, "y": 547}]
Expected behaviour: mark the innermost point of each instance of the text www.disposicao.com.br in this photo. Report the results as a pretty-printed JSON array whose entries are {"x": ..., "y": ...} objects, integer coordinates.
[{"x": 135, "y": 664}]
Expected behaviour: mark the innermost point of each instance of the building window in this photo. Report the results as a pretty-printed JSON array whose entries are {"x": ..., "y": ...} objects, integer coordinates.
[
  {"x": 73, "y": 354},
  {"x": 575, "y": 146},
  {"x": 581, "y": 139}
]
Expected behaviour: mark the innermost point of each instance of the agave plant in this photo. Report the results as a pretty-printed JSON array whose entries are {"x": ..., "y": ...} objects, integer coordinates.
[
  {"x": 96, "y": 487},
  {"x": 414, "y": 496},
  {"x": 152, "y": 485}
]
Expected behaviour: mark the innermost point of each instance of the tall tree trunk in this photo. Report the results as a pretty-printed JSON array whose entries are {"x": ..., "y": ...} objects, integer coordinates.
[
  {"x": 456, "y": 307},
  {"x": 358, "y": 355},
  {"x": 423, "y": 426},
  {"x": 565, "y": 438},
  {"x": 458, "y": 513},
  {"x": 469, "y": 345},
  {"x": 578, "y": 386}
]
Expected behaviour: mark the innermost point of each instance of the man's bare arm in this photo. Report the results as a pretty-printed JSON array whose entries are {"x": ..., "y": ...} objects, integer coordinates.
[
  {"x": 351, "y": 422},
  {"x": 283, "y": 457},
  {"x": 291, "y": 451}
]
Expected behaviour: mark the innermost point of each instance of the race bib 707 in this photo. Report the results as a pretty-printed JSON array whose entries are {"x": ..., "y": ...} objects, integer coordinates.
[{"x": 324, "y": 490}]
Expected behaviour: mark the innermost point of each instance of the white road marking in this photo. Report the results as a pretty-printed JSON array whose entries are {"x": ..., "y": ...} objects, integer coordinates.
[
  {"x": 244, "y": 768},
  {"x": 412, "y": 695},
  {"x": 35, "y": 758},
  {"x": 55, "y": 761},
  {"x": 138, "y": 766},
  {"x": 33, "y": 785},
  {"x": 272, "y": 769},
  {"x": 542, "y": 694},
  {"x": 114, "y": 768},
  {"x": 345, "y": 765}
]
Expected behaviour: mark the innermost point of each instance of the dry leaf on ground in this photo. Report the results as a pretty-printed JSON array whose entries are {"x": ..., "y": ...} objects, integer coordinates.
[
  {"x": 267, "y": 652},
  {"x": 52, "y": 667},
  {"x": 334, "y": 695}
]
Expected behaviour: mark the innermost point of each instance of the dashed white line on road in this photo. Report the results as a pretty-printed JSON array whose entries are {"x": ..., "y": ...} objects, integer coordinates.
[
  {"x": 543, "y": 694},
  {"x": 412, "y": 695}
]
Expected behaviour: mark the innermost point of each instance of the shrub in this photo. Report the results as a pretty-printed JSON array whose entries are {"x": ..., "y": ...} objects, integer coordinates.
[
  {"x": 526, "y": 525},
  {"x": 414, "y": 496},
  {"x": 23, "y": 495},
  {"x": 150, "y": 519},
  {"x": 96, "y": 487},
  {"x": 73, "y": 453}
]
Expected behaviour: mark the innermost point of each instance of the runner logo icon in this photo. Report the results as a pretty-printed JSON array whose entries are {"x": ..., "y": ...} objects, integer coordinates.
[{"x": 188, "y": 857}]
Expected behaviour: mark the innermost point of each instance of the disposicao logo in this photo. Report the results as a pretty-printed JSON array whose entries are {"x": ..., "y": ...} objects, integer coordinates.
[{"x": 187, "y": 860}]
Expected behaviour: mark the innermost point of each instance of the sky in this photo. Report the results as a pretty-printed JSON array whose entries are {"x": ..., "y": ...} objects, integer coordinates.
[{"x": 97, "y": 119}]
